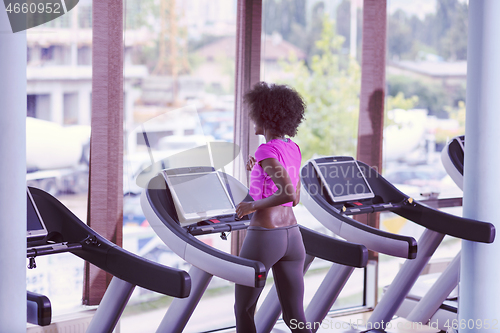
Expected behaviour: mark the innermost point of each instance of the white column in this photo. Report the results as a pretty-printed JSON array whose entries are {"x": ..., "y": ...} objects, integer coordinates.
[
  {"x": 13, "y": 173},
  {"x": 480, "y": 271}
]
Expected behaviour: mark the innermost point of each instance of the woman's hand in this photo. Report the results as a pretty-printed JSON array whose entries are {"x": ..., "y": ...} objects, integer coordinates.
[
  {"x": 245, "y": 208},
  {"x": 251, "y": 162}
]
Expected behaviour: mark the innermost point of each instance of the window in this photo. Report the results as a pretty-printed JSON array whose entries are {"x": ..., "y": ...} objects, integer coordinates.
[
  {"x": 56, "y": 101},
  {"x": 304, "y": 45},
  {"x": 426, "y": 79},
  {"x": 181, "y": 100}
]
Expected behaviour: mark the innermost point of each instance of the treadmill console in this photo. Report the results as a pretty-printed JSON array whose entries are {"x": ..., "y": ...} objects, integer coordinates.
[
  {"x": 36, "y": 229},
  {"x": 342, "y": 179},
  {"x": 343, "y": 182},
  {"x": 198, "y": 196},
  {"x": 38, "y": 240},
  {"x": 205, "y": 200}
]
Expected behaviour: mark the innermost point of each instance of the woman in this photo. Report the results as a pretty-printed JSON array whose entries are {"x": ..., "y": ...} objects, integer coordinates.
[{"x": 273, "y": 236}]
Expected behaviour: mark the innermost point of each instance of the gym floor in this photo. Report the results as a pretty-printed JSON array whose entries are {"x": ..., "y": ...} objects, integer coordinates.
[
  {"x": 141, "y": 322},
  {"x": 346, "y": 323},
  {"x": 208, "y": 314}
]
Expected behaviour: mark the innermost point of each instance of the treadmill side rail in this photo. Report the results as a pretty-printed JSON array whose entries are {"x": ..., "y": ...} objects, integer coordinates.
[
  {"x": 61, "y": 222},
  {"x": 448, "y": 224},
  {"x": 348, "y": 228}
]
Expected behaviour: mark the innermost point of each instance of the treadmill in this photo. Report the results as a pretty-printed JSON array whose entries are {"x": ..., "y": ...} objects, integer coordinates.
[
  {"x": 452, "y": 158},
  {"x": 52, "y": 228},
  {"x": 435, "y": 299},
  {"x": 167, "y": 203},
  {"x": 366, "y": 191}
]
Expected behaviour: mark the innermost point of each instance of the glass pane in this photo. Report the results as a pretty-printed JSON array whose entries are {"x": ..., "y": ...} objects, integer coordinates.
[
  {"x": 58, "y": 138},
  {"x": 307, "y": 45},
  {"x": 179, "y": 59},
  {"x": 426, "y": 77}
]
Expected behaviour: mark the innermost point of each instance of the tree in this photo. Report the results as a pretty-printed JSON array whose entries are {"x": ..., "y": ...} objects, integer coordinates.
[
  {"x": 343, "y": 24},
  {"x": 399, "y": 40},
  {"x": 430, "y": 96},
  {"x": 443, "y": 33},
  {"x": 454, "y": 42},
  {"x": 282, "y": 15},
  {"x": 304, "y": 37},
  {"x": 443, "y": 135},
  {"x": 331, "y": 95},
  {"x": 400, "y": 102}
]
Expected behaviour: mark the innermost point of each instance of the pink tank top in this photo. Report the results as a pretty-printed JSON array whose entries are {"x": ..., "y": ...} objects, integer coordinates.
[{"x": 288, "y": 154}]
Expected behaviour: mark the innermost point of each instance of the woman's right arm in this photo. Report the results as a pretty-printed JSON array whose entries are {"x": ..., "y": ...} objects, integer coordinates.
[{"x": 284, "y": 194}]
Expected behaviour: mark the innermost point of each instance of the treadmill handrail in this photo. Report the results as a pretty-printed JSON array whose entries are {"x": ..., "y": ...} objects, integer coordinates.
[
  {"x": 334, "y": 250},
  {"x": 433, "y": 219},
  {"x": 440, "y": 222},
  {"x": 448, "y": 224},
  {"x": 323, "y": 246},
  {"x": 372, "y": 237},
  {"x": 61, "y": 222}
]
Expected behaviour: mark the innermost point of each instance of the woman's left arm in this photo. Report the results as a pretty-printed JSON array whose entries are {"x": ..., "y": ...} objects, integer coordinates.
[
  {"x": 297, "y": 194},
  {"x": 285, "y": 193}
]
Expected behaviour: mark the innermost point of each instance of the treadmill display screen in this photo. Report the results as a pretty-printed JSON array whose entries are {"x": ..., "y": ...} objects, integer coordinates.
[
  {"x": 199, "y": 196},
  {"x": 344, "y": 181},
  {"x": 35, "y": 226}
]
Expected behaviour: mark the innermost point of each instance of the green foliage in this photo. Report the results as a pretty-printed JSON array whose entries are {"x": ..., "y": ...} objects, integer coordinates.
[
  {"x": 343, "y": 23},
  {"x": 305, "y": 37},
  {"x": 453, "y": 44},
  {"x": 457, "y": 113},
  {"x": 400, "y": 102},
  {"x": 443, "y": 33},
  {"x": 430, "y": 96},
  {"x": 400, "y": 39},
  {"x": 282, "y": 15},
  {"x": 331, "y": 95}
]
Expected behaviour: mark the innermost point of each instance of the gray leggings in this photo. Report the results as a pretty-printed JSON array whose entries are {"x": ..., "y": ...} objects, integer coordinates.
[{"x": 283, "y": 250}]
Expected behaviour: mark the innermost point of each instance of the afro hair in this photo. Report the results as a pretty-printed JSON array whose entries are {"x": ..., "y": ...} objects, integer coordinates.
[{"x": 278, "y": 108}]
